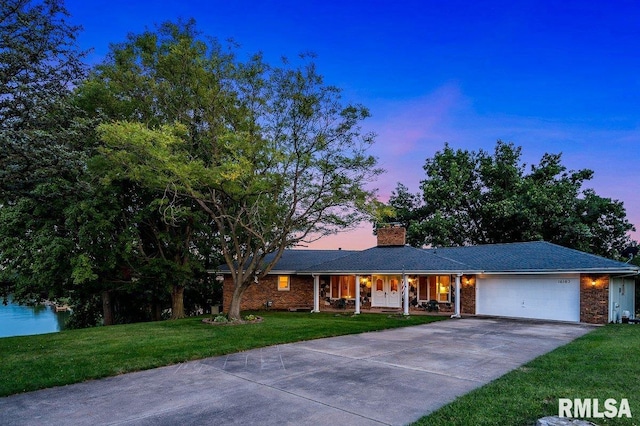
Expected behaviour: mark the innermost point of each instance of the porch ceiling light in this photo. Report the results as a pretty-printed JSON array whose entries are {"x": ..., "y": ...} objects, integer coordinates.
[{"x": 593, "y": 283}]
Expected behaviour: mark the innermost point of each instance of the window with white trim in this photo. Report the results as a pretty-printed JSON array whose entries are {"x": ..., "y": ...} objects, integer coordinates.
[
  {"x": 435, "y": 287},
  {"x": 442, "y": 288},
  {"x": 284, "y": 283}
]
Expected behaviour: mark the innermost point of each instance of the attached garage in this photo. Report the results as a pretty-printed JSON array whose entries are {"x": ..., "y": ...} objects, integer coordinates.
[{"x": 550, "y": 297}]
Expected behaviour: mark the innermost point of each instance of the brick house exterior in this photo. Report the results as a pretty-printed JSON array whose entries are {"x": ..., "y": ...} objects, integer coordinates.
[
  {"x": 594, "y": 298},
  {"x": 468, "y": 295},
  {"x": 300, "y": 293},
  {"x": 322, "y": 280}
]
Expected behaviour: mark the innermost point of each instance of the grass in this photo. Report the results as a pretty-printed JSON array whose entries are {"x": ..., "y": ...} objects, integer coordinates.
[
  {"x": 602, "y": 364},
  {"x": 35, "y": 362}
]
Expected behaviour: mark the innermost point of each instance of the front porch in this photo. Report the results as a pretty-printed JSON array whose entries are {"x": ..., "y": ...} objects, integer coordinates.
[{"x": 406, "y": 294}]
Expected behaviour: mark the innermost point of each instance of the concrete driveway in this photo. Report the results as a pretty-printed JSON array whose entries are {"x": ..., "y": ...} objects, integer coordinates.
[{"x": 388, "y": 377}]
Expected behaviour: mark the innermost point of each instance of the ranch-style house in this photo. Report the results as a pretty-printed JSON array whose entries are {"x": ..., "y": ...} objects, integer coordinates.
[{"x": 536, "y": 280}]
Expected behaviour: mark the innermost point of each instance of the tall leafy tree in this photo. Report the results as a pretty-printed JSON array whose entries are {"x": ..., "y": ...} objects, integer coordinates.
[
  {"x": 287, "y": 164},
  {"x": 480, "y": 198},
  {"x": 452, "y": 198},
  {"x": 406, "y": 209},
  {"x": 157, "y": 78},
  {"x": 40, "y": 141},
  {"x": 39, "y": 65}
]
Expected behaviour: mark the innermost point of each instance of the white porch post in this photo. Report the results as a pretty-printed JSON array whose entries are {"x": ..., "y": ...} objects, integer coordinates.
[
  {"x": 405, "y": 304},
  {"x": 457, "y": 311},
  {"x": 357, "y": 294},
  {"x": 316, "y": 293}
]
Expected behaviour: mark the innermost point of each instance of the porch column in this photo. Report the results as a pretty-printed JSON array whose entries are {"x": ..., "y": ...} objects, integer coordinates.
[
  {"x": 316, "y": 293},
  {"x": 405, "y": 293},
  {"x": 457, "y": 311},
  {"x": 357, "y": 294}
]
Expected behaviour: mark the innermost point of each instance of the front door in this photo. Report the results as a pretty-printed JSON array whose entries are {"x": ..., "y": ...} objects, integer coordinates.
[
  {"x": 386, "y": 291},
  {"x": 622, "y": 297}
]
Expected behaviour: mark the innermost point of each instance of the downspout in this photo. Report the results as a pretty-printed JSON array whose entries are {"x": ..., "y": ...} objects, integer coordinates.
[
  {"x": 405, "y": 284},
  {"x": 357, "y": 295},
  {"x": 316, "y": 293},
  {"x": 457, "y": 309}
]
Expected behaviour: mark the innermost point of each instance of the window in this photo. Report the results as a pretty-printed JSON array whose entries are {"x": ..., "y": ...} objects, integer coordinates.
[
  {"x": 284, "y": 284},
  {"x": 435, "y": 287},
  {"x": 343, "y": 286},
  {"x": 393, "y": 284},
  {"x": 440, "y": 288}
]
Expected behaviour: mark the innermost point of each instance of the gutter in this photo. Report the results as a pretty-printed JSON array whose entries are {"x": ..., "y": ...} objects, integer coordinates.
[
  {"x": 561, "y": 271},
  {"x": 628, "y": 275},
  {"x": 391, "y": 272}
]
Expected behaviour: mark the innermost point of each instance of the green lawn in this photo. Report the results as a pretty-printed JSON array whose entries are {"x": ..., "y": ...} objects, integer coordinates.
[
  {"x": 34, "y": 362},
  {"x": 602, "y": 364}
]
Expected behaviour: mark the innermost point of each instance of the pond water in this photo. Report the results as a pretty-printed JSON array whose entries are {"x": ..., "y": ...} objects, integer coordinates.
[{"x": 20, "y": 320}]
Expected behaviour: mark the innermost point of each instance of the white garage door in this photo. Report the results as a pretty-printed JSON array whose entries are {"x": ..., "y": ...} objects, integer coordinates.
[{"x": 554, "y": 298}]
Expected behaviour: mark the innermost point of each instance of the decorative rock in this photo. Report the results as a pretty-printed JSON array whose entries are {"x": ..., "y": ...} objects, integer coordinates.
[{"x": 562, "y": 421}]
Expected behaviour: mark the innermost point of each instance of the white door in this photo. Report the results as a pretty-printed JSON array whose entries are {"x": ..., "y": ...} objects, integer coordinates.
[
  {"x": 386, "y": 291},
  {"x": 622, "y": 297},
  {"x": 530, "y": 296},
  {"x": 393, "y": 297}
]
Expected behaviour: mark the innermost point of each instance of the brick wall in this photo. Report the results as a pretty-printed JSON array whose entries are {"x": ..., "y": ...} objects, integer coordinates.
[
  {"x": 391, "y": 236},
  {"x": 594, "y": 299},
  {"x": 300, "y": 293},
  {"x": 468, "y": 295}
]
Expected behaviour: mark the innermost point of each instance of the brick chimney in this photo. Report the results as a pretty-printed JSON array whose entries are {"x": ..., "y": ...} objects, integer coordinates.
[{"x": 391, "y": 236}]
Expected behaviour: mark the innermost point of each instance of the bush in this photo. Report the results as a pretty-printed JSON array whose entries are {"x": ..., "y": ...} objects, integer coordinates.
[{"x": 220, "y": 318}]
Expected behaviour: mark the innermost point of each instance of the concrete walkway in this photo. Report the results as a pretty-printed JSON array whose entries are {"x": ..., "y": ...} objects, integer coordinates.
[{"x": 388, "y": 377}]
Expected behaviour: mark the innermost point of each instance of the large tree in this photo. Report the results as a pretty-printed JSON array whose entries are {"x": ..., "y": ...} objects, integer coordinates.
[
  {"x": 39, "y": 65},
  {"x": 40, "y": 140},
  {"x": 283, "y": 162},
  {"x": 473, "y": 197},
  {"x": 161, "y": 77}
]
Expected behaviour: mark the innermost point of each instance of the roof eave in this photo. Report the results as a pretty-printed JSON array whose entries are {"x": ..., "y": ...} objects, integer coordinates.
[
  {"x": 563, "y": 271},
  {"x": 391, "y": 272}
]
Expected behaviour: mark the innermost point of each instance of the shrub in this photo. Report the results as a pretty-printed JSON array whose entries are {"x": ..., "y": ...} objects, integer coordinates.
[{"x": 221, "y": 318}]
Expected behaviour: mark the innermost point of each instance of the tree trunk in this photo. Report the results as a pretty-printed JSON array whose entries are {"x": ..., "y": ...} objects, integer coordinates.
[
  {"x": 107, "y": 308},
  {"x": 156, "y": 311},
  {"x": 236, "y": 299},
  {"x": 177, "y": 302}
]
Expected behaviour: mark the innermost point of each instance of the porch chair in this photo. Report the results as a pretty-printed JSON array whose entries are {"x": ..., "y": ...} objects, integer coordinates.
[{"x": 431, "y": 306}]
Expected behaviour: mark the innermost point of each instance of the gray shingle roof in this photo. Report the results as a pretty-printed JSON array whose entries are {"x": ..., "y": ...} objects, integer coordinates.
[
  {"x": 393, "y": 259},
  {"x": 535, "y": 256},
  {"x": 297, "y": 260}
]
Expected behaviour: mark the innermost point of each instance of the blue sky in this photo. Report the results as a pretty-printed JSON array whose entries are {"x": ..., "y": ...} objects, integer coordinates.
[{"x": 550, "y": 76}]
